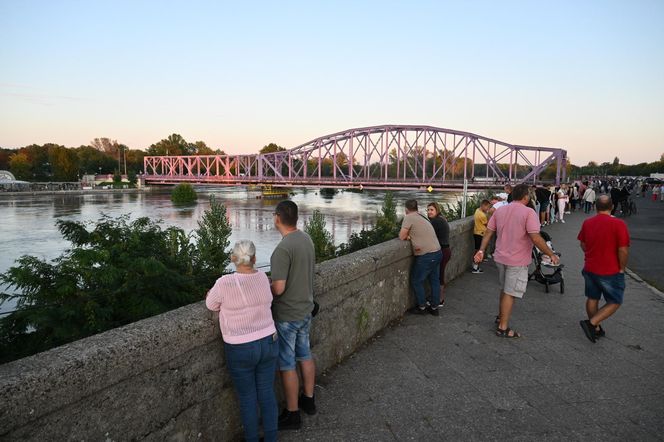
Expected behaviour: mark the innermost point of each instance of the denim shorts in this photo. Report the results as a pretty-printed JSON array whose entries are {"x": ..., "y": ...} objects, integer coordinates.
[
  {"x": 611, "y": 286},
  {"x": 293, "y": 342}
]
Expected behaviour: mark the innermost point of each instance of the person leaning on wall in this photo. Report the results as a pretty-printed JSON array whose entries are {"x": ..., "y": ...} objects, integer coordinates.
[{"x": 243, "y": 300}]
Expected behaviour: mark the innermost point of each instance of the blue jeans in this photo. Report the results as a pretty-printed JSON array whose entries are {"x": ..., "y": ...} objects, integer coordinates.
[
  {"x": 252, "y": 366},
  {"x": 293, "y": 342},
  {"x": 426, "y": 267}
]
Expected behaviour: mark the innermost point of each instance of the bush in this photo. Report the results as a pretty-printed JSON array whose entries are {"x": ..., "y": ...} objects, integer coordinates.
[
  {"x": 453, "y": 211},
  {"x": 184, "y": 193},
  {"x": 386, "y": 228},
  {"x": 321, "y": 238},
  {"x": 117, "y": 180},
  {"x": 117, "y": 273}
]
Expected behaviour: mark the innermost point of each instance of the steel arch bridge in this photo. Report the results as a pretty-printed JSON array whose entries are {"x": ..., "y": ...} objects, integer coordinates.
[{"x": 377, "y": 157}]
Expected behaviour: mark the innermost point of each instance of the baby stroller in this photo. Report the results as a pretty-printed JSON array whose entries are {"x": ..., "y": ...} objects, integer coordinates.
[{"x": 540, "y": 260}]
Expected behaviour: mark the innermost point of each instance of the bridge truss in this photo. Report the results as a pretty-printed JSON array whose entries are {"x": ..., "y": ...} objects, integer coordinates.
[{"x": 377, "y": 157}]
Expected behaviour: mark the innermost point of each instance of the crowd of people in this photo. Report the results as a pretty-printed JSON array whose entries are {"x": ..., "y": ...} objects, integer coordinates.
[
  {"x": 265, "y": 322},
  {"x": 603, "y": 238}
]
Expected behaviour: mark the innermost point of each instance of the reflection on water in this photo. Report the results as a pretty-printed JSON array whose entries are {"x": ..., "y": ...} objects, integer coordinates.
[{"x": 27, "y": 222}]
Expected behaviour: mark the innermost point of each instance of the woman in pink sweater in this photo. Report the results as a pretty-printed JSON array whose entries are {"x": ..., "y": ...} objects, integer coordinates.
[{"x": 243, "y": 300}]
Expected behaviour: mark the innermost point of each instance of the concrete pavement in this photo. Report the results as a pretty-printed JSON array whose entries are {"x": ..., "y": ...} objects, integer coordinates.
[
  {"x": 647, "y": 234},
  {"x": 450, "y": 378}
]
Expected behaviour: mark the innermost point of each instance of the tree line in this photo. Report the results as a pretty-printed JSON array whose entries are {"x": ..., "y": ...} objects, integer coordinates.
[{"x": 54, "y": 162}]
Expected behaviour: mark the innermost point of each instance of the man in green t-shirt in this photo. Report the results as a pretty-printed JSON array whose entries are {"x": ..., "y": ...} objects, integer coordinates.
[{"x": 292, "y": 266}]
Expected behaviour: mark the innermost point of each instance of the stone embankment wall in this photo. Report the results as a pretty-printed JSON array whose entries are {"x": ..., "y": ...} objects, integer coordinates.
[{"x": 164, "y": 378}]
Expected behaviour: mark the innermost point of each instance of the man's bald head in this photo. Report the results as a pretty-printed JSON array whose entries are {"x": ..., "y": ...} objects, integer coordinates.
[{"x": 603, "y": 203}]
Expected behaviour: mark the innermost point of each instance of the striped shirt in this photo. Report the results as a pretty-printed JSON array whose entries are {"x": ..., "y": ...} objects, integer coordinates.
[{"x": 243, "y": 301}]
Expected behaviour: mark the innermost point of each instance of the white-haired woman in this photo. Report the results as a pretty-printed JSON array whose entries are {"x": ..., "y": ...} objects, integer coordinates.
[{"x": 243, "y": 300}]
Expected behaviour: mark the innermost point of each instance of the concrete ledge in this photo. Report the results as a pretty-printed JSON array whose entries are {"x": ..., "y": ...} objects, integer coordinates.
[{"x": 164, "y": 377}]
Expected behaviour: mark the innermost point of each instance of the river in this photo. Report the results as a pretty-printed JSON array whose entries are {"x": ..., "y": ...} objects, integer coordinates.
[{"x": 27, "y": 222}]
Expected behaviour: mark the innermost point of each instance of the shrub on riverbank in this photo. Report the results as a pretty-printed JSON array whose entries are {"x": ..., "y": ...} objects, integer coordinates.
[
  {"x": 184, "y": 193},
  {"x": 118, "y": 272},
  {"x": 321, "y": 238},
  {"x": 385, "y": 228}
]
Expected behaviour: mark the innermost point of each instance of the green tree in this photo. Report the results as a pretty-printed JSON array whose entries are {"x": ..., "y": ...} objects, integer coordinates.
[
  {"x": 173, "y": 145},
  {"x": 40, "y": 167},
  {"x": 184, "y": 193},
  {"x": 212, "y": 234},
  {"x": 270, "y": 148},
  {"x": 117, "y": 180},
  {"x": 385, "y": 228},
  {"x": 322, "y": 239},
  {"x": 20, "y": 166},
  {"x": 116, "y": 273},
  {"x": 64, "y": 163},
  {"x": 93, "y": 161},
  {"x": 4, "y": 158}
]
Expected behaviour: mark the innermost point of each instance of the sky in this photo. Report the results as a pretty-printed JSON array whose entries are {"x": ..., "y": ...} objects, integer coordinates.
[{"x": 586, "y": 76}]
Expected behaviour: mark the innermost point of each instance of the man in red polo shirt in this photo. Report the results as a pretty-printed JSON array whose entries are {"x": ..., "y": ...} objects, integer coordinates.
[{"x": 605, "y": 242}]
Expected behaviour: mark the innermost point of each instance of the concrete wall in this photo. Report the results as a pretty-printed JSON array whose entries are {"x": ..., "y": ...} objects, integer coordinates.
[{"x": 164, "y": 378}]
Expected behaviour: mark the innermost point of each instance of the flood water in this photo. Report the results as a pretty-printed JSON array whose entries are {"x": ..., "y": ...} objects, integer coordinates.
[{"x": 27, "y": 222}]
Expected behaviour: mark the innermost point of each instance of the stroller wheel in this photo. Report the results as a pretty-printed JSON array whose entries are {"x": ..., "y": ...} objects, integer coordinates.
[{"x": 562, "y": 286}]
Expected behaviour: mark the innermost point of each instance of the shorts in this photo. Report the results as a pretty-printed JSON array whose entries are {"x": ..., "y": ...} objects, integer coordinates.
[
  {"x": 513, "y": 279},
  {"x": 611, "y": 286},
  {"x": 544, "y": 206},
  {"x": 293, "y": 342}
]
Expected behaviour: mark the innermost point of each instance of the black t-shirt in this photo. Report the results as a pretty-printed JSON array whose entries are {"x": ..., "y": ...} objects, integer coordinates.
[
  {"x": 542, "y": 194},
  {"x": 442, "y": 229}
]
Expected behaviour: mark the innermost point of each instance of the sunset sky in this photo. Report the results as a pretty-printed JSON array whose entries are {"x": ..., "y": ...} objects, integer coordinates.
[{"x": 587, "y": 76}]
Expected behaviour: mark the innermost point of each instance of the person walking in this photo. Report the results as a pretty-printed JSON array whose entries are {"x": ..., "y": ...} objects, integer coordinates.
[
  {"x": 655, "y": 191},
  {"x": 588, "y": 199},
  {"x": 518, "y": 229},
  {"x": 604, "y": 240},
  {"x": 426, "y": 265},
  {"x": 479, "y": 229},
  {"x": 442, "y": 229},
  {"x": 292, "y": 266},
  {"x": 243, "y": 300}
]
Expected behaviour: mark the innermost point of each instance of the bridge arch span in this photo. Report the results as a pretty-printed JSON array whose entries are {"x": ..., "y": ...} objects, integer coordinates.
[{"x": 387, "y": 156}]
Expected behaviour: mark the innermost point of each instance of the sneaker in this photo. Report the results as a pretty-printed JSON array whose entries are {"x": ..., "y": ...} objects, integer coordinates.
[
  {"x": 308, "y": 404},
  {"x": 433, "y": 311},
  {"x": 441, "y": 304},
  {"x": 562, "y": 221},
  {"x": 290, "y": 420},
  {"x": 599, "y": 332},
  {"x": 419, "y": 310},
  {"x": 589, "y": 330},
  {"x": 477, "y": 270}
]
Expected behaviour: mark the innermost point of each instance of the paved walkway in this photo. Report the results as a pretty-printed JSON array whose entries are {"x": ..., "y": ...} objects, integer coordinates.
[
  {"x": 449, "y": 378},
  {"x": 647, "y": 251}
]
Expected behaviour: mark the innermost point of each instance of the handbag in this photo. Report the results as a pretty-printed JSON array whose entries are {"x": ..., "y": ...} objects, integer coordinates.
[{"x": 315, "y": 310}]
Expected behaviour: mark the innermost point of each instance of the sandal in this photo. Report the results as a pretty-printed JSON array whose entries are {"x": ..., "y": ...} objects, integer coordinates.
[{"x": 506, "y": 333}]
